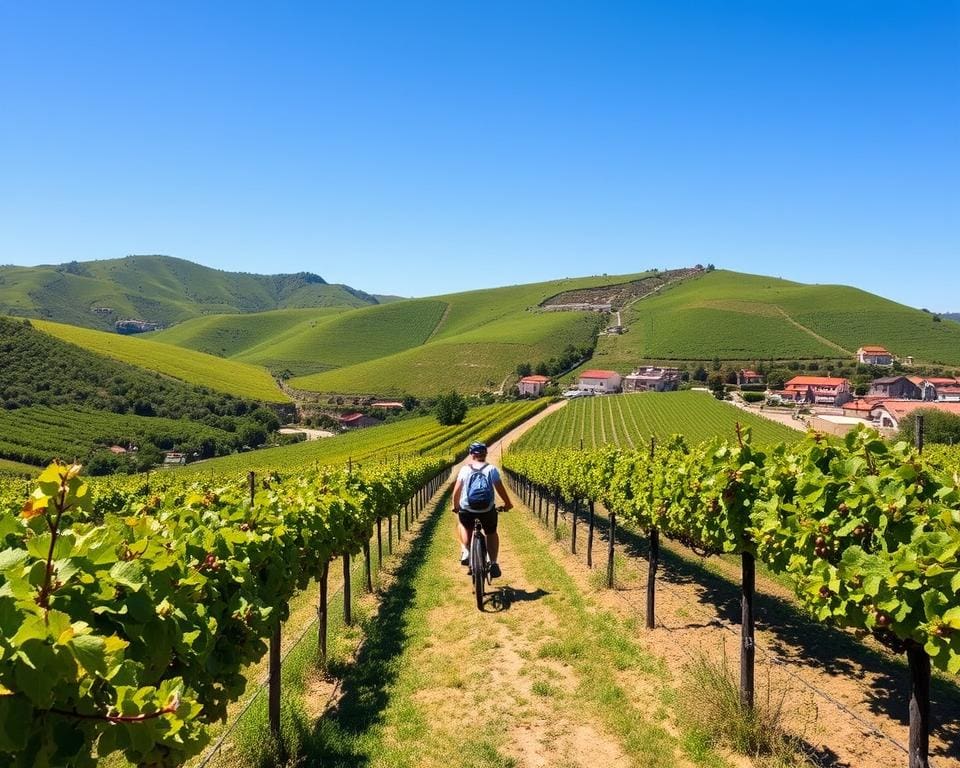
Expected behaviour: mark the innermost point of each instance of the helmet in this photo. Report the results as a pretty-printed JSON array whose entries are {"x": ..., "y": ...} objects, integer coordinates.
[{"x": 477, "y": 448}]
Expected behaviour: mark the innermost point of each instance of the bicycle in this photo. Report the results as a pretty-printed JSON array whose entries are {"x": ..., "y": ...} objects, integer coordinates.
[{"x": 479, "y": 567}]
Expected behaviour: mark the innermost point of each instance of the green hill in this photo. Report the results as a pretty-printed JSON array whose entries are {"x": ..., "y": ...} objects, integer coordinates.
[
  {"x": 159, "y": 289},
  {"x": 476, "y": 344},
  {"x": 229, "y": 376},
  {"x": 749, "y": 317}
]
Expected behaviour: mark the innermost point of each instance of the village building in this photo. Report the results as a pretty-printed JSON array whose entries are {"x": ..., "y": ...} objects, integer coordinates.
[
  {"x": 599, "y": 381},
  {"x": 652, "y": 379},
  {"x": 533, "y": 385},
  {"x": 357, "y": 421},
  {"x": 898, "y": 387},
  {"x": 889, "y": 413},
  {"x": 173, "y": 459},
  {"x": 387, "y": 405},
  {"x": 747, "y": 378},
  {"x": 861, "y": 407},
  {"x": 874, "y": 355},
  {"x": 820, "y": 390}
]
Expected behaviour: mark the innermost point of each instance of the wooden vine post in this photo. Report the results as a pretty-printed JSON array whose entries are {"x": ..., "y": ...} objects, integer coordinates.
[
  {"x": 273, "y": 692},
  {"x": 390, "y": 534},
  {"x": 590, "y": 521},
  {"x": 347, "y": 615},
  {"x": 367, "y": 564},
  {"x": 379, "y": 544},
  {"x": 322, "y": 615},
  {"x": 747, "y": 647},
  {"x": 919, "y": 736},
  {"x": 613, "y": 533},
  {"x": 653, "y": 561},
  {"x": 573, "y": 527}
]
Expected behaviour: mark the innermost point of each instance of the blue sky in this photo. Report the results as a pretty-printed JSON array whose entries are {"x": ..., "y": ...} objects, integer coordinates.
[{"x": 420, "y": 148}]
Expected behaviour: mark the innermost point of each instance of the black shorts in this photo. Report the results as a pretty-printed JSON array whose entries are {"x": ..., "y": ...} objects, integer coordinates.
[{"x": 488, "y": 520}]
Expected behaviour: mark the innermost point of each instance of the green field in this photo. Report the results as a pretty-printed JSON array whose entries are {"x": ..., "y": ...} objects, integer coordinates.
[
  {"x": 734, "y": 316},
  {"x": 631, "y": 420},
  {"x": 17, "y": 468},
  {"x": 157, "y": 289},
  {"x": 232, "y": 377},
  {"x": 418, "y": 436}
]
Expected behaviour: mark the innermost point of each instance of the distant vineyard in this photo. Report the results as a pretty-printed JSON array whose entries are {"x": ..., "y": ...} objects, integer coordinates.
[
  {"x": 630, "y": 420},
  {"x": 38, "y": 435},
  {"x": 420, "y": 436}
]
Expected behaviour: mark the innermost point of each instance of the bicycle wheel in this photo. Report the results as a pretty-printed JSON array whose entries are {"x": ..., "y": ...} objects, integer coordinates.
[{"x": 478, "y": 566}]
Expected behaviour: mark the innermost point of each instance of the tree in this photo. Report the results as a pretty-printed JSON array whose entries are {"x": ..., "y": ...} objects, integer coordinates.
[
  {"x": 524, "y": 369},
  {"x": 717, "y": 387},
  {"x": 938, "y": 426},
  {"x": 450, "y": 408},
  {"x": 700, "y": 374}
]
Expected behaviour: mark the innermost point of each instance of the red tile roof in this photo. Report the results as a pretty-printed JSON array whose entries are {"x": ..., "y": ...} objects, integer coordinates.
[
  {"x": 901, "y": 408},
  {"x": 536, "y": 379},
  {"x": 873, "y": 350},
  {"x": 350, "y": 417},
  {"x": 815, "y": 381},
  {"x": 749, "y": 373},
  {"x": 597, "y": 374},
  {"x": 940, "y": 381},
  {"x": 864, "y": 404}
]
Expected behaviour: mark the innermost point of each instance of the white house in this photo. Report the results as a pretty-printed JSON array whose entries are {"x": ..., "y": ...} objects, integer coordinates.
[
  {"x": 533, "y": 385},
  {"x": 599, "y": 381},
  {"x": 873, "y": 355}
]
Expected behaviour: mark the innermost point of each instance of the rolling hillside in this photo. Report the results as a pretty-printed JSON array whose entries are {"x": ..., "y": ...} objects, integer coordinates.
[
  {"x": 749, "y": 317},
  {"x": 229, "y": 376},
  {"x": 158, "y": 289},
  {"x": 476, "y": 344}
]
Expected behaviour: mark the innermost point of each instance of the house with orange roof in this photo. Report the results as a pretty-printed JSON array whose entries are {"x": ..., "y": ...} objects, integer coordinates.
[
  {"x": 874, "y": 355},
  {"x": 889, "y": 413},
  {"x": 822, "y": 390},
  {"x": 596, "y": 380},
  {"x": 746, "y": 378},
  {"x": 533, "y": 385}
]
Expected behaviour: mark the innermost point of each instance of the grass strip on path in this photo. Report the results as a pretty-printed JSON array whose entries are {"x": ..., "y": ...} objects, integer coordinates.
[{"x": 540, "y": 677}]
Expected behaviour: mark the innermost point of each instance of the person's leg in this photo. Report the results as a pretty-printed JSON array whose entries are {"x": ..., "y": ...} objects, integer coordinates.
[
  {"x": 493, "y": 546},
  {"x": 464, "y": 533}
]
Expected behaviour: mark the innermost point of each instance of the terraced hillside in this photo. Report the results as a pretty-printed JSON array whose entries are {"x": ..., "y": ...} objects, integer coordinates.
[
  {"x": 232, "y": 377},
  {"x": 157, "y": 289},
  {"x": 477, "y": 342},
  {"x": 748, "y": 317}
]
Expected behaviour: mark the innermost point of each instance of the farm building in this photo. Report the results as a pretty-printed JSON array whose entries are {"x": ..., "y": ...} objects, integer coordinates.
[
  {"x": 599, "y": 381},
  {"x": 746, "y": 378},
  {"x": 357, "y": 421},
  {"x": 533, "y": 385},
  {"x": 172, "y": 459},
  {"x": 387, "y": 405},
  {"x": 899, "y": 387},
  {"x": 888, "y": 413},
  {"x": 873, "y": 355},
  {"x": 822, "y": 390},
  {"x": 650, "y": 379}
]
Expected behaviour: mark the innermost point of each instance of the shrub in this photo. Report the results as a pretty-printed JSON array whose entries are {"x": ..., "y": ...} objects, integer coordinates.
[
  {"x": 754, "y": 397},
  {"x": 450, "y": 408}
]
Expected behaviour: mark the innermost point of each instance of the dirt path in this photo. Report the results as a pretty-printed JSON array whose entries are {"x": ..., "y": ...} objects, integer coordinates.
[
  {"x": 847, "y": 701},
  {"x": 814, "y": 334}
]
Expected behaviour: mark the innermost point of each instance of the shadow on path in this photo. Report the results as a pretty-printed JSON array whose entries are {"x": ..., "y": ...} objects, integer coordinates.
[{"x": 366, "y": 682}]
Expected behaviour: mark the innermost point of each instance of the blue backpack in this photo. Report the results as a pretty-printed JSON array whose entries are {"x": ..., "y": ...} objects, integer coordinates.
[{"x": 479, "y": 490}]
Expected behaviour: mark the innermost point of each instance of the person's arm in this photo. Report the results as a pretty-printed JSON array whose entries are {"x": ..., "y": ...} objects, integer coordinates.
[
  {"x": 456, "y": 496},
  {"x": 501, "y": 489}
]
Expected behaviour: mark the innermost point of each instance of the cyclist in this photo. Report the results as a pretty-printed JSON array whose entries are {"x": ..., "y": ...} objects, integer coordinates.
[{"x": 477, "y": 479}]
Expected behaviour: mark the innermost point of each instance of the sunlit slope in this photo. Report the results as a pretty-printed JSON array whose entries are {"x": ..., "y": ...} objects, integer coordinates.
[
  {"x": 629, "y": 421},
  {"x": 236, "y": 378},
  {"x": 234, "y": 334},
  {"x": 159, "y": 289},
  {"x": 745, "y": 317},
  {"x": 408, "y": 437},
  {"x": 480, "y": 339},
  {"x": 349, "y": 338}
]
